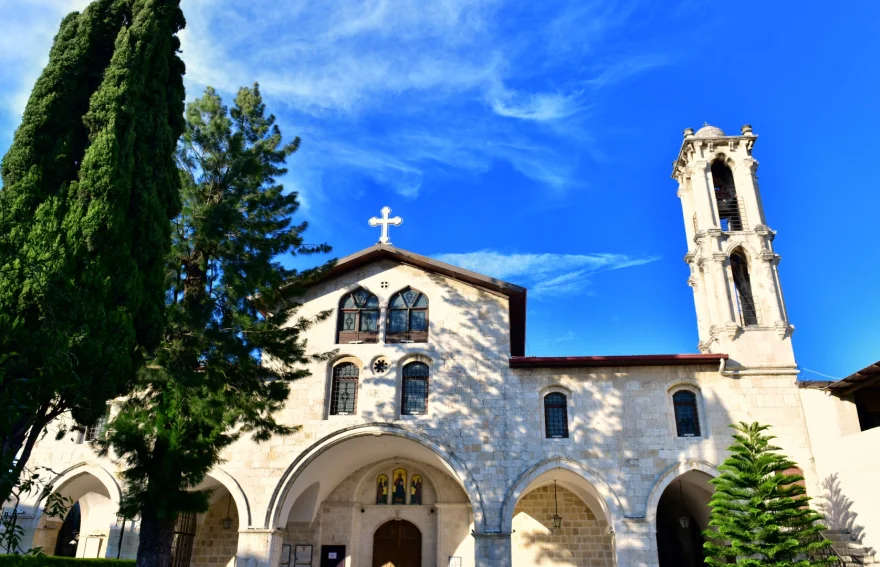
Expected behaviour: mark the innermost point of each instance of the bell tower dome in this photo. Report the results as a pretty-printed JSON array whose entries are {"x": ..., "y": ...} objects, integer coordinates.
[{"x": 734, "y": 269}]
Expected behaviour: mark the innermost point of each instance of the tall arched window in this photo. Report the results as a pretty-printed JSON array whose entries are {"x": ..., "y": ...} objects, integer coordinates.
[
  {"x": 407, "y": 317},
  {"x": 415, "y": 389},
  {"x": 687, "y": 420},
  {"x": 730, "y": 210},
  {"x": 555, "y": 415},
  {"x": 358, "y": 318},
  {"x": 739, "y": 266},
  {"x": 343, "y": 394}
]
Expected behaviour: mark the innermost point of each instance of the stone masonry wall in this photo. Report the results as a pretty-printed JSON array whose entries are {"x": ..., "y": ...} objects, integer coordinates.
[{"x": 582, "y": 541}]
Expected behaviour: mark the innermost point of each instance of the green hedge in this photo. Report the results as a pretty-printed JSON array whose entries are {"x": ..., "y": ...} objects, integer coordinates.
[{"x": 47, "y": 561}]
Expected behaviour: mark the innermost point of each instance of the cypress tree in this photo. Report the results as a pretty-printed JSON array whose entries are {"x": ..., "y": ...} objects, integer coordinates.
[
  {"x": 231, "y": 345},
  {"x": 89, "y": 186},
  {"x": 760, "y": 512}
]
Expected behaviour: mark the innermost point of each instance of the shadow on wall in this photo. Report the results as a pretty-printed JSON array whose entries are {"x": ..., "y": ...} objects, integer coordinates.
[{"x": 839, "y": 516}]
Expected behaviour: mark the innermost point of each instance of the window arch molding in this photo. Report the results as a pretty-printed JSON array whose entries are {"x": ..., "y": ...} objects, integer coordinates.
[
  {"x": 687, "y": 385},
  {"x": 542, "y": 410},
  {"x": 407, "y": 316},
  {"x": 335, "y": 363},
  {"x": 400, "y": 384},
  {"x": 358, "y": 316}
]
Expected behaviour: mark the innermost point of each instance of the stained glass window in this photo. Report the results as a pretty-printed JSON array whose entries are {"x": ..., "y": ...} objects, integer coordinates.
[
  {"x": 687, "y": 421},
  {"x": 556, "y": 415},
  {"x": 408, "y": 317},
  {"x": 415, "y": 388},
  {"x": 343, "y": 394},
  {"x": 358, "y": 317}
]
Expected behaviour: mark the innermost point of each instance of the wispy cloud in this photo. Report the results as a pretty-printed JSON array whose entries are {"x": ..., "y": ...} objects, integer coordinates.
[
  {"x": 394, "y": 92},
  {"x": 544, "y": 274}
]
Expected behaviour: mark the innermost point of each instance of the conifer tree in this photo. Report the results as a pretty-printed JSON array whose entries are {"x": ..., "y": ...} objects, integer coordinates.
[
  {"x": 760, "y": 513},
  {"x": 231, "y": 344},
  {"x": 89, "y": 187}
]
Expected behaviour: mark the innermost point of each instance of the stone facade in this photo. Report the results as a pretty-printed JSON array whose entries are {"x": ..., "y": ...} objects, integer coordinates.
[
  {"x": 583, "y": 539},
  {"x": 481, "y": 447}
]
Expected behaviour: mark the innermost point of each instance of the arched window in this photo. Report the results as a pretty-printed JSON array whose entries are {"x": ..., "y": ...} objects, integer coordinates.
[
  {"x": 687, "y": 420},
  {"x": 730, "y": 210},
  {"x": 407, "y": 317},
  {"x": 556, "y": 415},
  {"x": 748, "y": 312},
  {"x": 343, "y": 394},
  {"x": 415, "y": 389},
  {"x": 358, "y": 317}
]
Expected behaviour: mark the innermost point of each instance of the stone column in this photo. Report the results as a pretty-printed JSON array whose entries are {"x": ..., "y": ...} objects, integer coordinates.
[
  {"x": 636, "y": 545},
  {"x": 723, "y": 297},
  {"x": 258, "y": 548},
  {"x": 492, "y": 550}
]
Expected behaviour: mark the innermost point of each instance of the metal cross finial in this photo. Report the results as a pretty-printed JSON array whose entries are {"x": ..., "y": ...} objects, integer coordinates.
[{"x": 385, "y": 222}]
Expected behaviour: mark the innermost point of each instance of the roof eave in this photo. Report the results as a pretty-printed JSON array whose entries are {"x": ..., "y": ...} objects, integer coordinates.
[{"x": 617, "y": 360}]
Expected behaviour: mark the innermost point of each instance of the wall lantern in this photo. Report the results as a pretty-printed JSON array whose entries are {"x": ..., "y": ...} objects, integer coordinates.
[
  {"x": 685, "y": 521},
  {"x": 227, "y": 521},
  {"x": 557, "y": 519}
]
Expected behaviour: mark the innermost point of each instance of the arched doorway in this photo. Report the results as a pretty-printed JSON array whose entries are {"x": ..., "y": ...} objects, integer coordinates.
[
  {"x": 397, "y": 543},
  {"x": 68, "y": 534},
  {"x": 682, "y": 515}
]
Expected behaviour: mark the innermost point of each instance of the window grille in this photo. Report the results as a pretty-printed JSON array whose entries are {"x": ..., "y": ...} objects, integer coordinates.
[
  {"x": 556, "y": 416},
  {"x": 407, "y": 317},
  {"x": 358, "y": 318},
  {"x": 343, "y": 394},
  {"x": 415, "y": 388},
  {"x": 91, "y": 433},
  {"x": 687, "y": 421},
  {"x": 184, "y": 534}
]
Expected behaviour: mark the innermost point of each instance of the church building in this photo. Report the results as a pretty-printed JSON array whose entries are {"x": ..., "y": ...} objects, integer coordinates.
[{"x": 431, "y": 440}]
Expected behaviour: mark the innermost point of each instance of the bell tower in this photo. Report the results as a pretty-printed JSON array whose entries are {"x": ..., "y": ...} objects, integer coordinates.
[{"x": 734, "y": 275}]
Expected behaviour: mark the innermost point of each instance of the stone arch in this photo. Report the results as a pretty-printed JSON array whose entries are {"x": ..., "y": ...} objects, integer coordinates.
[
  {"x": 238, "y": 496},
  {"x": 739, "y": 245},
  {"x": 85, "y": 468},
  {"x": 601, "y": 492},
  {"x": 282, "y": 498},
  {"x": 668, "y": 477}
]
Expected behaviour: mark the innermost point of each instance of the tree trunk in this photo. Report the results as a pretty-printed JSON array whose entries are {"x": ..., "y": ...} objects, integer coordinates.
[
  {"x": 19, "y": 444},
  {"x": 156, "y": 539}
]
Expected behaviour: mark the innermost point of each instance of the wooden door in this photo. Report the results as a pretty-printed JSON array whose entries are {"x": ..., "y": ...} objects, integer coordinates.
[
  {"x": 332, "y": 556},
  {"x": 397, "y": 543}
]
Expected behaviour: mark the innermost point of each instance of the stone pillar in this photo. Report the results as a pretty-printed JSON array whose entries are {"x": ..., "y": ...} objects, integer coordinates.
[
  {"x": 723, "y": 297},
  {"x": 636, "y": 545},
  {"x": 258, "y": 548},
  {"x": 492, "y": 550}
]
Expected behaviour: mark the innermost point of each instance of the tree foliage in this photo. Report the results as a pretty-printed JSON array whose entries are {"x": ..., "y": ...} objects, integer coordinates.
[
  {"x": 89, "y": 186},
  {"x": 760, "y": 512},
  {"x": 231, "y": 344}
]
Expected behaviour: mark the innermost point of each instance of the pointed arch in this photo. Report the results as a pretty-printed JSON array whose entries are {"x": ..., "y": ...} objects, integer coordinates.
[
  {"x": 584, "y": 481},
  {"x": 71, "y": 476},
  {"x": 667, "y": 477},
  {"x": 742, "y": 283},
  {"x": 731, "y": 214},
  {"x": 407, "y": 318},
  {"x": 358, "y": 317},
  {"x": 238, "y": 496},
  {"x": 297, "y": 478}
]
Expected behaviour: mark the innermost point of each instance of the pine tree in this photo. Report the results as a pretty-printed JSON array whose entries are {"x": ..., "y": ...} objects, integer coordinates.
[
  {"x": 89, "y": 187},
  {"x": 760, "y": 513},
  {"x": 231, "y": 344}
]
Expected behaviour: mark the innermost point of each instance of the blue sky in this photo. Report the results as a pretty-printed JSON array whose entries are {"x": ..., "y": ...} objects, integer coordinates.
[{"x": 533, "y": 141}]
